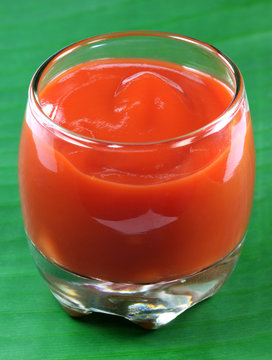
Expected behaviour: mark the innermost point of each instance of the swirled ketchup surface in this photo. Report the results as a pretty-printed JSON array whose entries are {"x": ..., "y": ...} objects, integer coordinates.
[{"x": 131, "y": 205}]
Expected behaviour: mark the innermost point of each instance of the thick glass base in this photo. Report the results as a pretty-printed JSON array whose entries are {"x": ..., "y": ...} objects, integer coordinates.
[{"x": 148, "y": 305}]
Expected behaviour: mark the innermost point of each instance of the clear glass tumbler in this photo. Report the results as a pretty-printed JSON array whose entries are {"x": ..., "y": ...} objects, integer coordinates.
[{"x": 146, "y": 251}]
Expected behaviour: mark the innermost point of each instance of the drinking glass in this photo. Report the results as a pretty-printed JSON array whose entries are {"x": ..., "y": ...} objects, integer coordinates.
[{"x": 145, "y": 250}]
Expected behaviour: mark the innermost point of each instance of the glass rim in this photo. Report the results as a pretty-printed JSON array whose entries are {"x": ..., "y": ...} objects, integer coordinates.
[{"x": 213, "y": 126}]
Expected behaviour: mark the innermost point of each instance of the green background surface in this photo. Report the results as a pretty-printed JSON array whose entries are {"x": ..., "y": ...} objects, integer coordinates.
[{"x": 234, "y": 324}]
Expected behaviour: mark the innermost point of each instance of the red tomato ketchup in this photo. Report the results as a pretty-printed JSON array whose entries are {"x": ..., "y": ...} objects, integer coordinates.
[{"x": 131, "y": 198}]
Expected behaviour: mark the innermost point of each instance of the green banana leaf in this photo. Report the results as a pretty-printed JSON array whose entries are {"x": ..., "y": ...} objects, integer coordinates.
[{"x": 234, "y": 324}]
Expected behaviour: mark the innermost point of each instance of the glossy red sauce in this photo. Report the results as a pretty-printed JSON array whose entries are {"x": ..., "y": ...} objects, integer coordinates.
[{"x": 141, "y": 213}]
